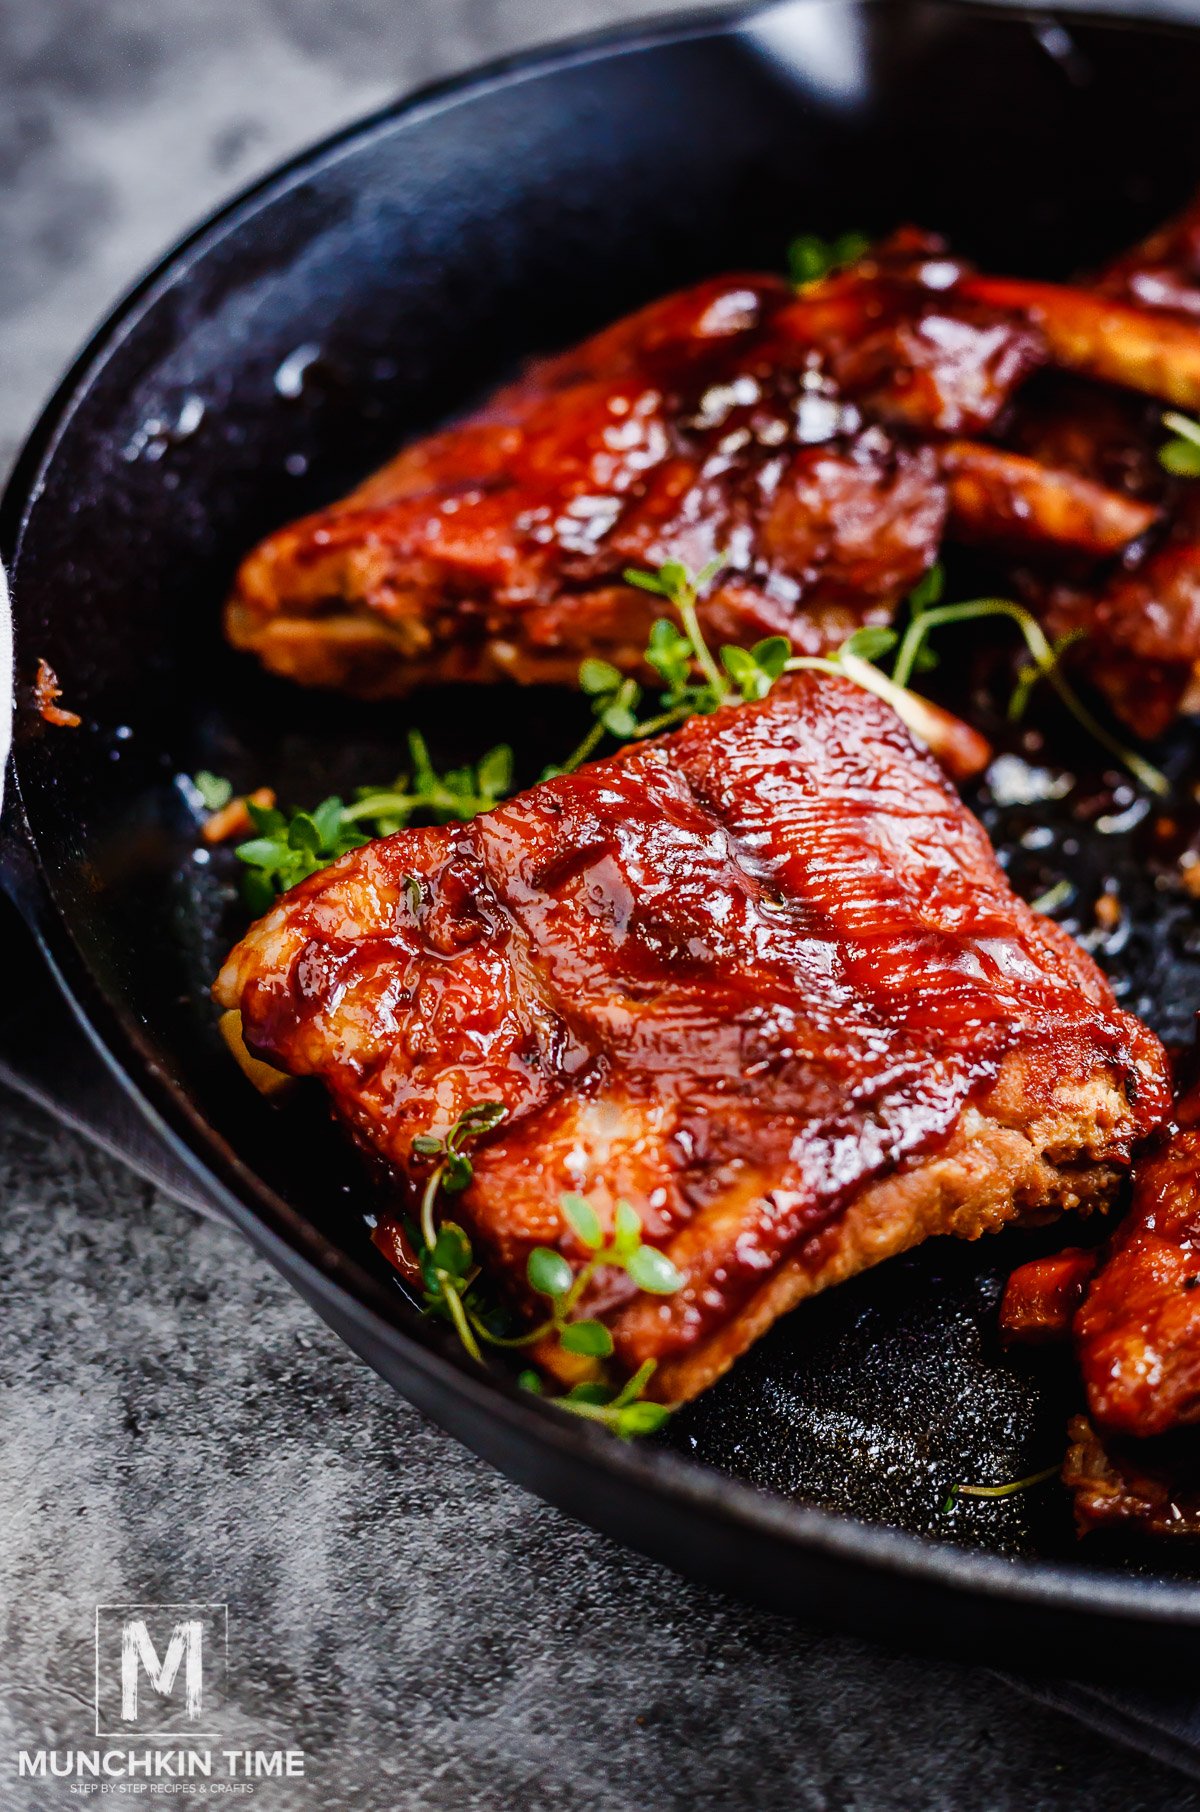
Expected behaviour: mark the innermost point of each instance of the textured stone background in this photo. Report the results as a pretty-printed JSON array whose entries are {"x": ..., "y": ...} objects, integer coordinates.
[{"x": 173, "y": 1422}]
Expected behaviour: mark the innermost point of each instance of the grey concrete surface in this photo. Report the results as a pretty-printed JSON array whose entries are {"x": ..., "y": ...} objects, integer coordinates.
[{"x": 174, "y": 1424}]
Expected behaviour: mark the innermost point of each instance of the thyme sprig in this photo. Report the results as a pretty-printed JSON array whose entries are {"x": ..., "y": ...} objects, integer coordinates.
[
  {"x": 451, "y": 1281},
  {"x": 674, "y": 582},
  {"x": 754, "y": 671},
  {"x": 927, "y": 613},
  {"x": 289, "y": 847},
  {"x": 674, "y": 650},
  {"x": 1181, "y": 454}
]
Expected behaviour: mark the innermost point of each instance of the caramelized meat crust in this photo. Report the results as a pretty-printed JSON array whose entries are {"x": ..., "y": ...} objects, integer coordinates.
[
  {"x": 821, "y": 444},
  {"x": 1163, "y": 271},
  {"x": 1150, "y": 1487},
  {"x": 763, "y": 978},
  {"x": 1140, "y": 329},
  {"x": 1138, "y": 1331},
  {"x": 1134, "y": 1314},
  {"x": 735, "y": 419},
  {"x": 1142, "y": 627},
  {"x": 1041, "y": 1298}
]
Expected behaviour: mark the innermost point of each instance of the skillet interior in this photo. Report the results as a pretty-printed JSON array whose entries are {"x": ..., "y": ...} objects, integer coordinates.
[{"x": 422, "y": 257}]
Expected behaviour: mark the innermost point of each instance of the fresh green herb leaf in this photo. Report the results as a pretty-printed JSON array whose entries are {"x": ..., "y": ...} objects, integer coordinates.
[
  {"x": 754, "y": 671},
  {"x": 289, "y": 848},
  {"x": 644, "y": 1418},
  {"x": 587, "y": 1393},
  {"x": 627, "y": 1230},
  {"x": 591, "y": 1338},
  {"x": 1181, "y": 454},
  {"x": 614, "y": 706},
  {"x": 645, "y": 580},
  {"x": 810, "y": 257},
  {"x": 453, "y": 1291},
  {"x": 674, "y": 582},
  {"x": 548, "y": 1272},
  {"x": 451, "y": 1250},
  {"x": 214, "y": 791},
  {"x": 457, "y": 1172},
  {"x": 484, "y": 1117},
  {"x": 597, "y": 677},
  {"x": 669, "y": 652},
  {"x": 772, "y": 655},
  {"x": 583, "y": 1221},
  {"x": 652, "y": 1271},
  {"x": 870, "y": 643}
]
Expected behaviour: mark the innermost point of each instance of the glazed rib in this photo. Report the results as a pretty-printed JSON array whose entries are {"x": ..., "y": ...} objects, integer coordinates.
[
  {"x": 1001, "y": 497},
  {"x": 782, "y": 433},
  {"x": 1133, "y": 1312},
  {"x": 762, "y": 978},
  {"x": 1138, "y": 1332},
  {"x": 1141, "y": 617},
  {"x": 821, "y": 444},
  {"x": 1147, "y": 1487},
  {"x": 1101, "y": 337},
  {"x": 1163, "y": 271}
]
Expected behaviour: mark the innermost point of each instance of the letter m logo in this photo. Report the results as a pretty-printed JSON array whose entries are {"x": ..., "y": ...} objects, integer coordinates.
[
  {"x": 160, "y": 1669},
  {"x": 138, "y": 1655}
]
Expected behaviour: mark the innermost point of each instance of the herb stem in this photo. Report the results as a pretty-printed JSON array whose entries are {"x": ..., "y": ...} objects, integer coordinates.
[
  {"x": 1044, "y": 659},
  {"x": 686, "y": 606},
  {"x": 909, "y": 707},
  {"x": 666, "y": 721},
  {"x": 590, "y": 742},
  {"x": 1013, "y": 1486},
  {"x": 379, "y": 805},
  {"x": 428, "y": 1201},
  {"x": 633, "y": 1387},
  {"x": 1183, "y": 425},
  {"x": 918, "y": 630},
  {"x": 1053, "y": 898},
  {"x": 530, "y": 1338},
  {"x": 458, "y": 1315},
  {"x": 814, "y": 663}
]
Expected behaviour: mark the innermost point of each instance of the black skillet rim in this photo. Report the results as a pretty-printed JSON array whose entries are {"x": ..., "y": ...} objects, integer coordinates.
[{"x": 327, "y": 1278}]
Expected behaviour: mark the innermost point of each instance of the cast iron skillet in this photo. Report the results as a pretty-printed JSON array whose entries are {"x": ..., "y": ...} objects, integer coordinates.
[{"x": 393, "y": 274}]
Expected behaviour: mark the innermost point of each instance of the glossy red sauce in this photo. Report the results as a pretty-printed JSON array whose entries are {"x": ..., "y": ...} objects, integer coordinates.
[
  {"x": 731, "y": 975},
  {"x": 733, "y": 421},
  {"x": 1138, "y": 1332},
  {"x": 1041, "y": 1298}
]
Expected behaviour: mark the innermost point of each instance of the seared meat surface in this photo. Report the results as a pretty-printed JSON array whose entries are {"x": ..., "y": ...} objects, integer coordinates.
[
  {"x": 782, "y": 433},
  {"x": 762, "y": 978},
  {"x": 821, "y": 444},
  {"x": 1162, "y": 272},
  {"x": 1133, "y": 1312},
  {"x": 1138, "y": 1331},
  {"x": 1042, "y": 1298},
  {"x": 1151, "y": 1487},
  {"x": 1140, "y": 617}
]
